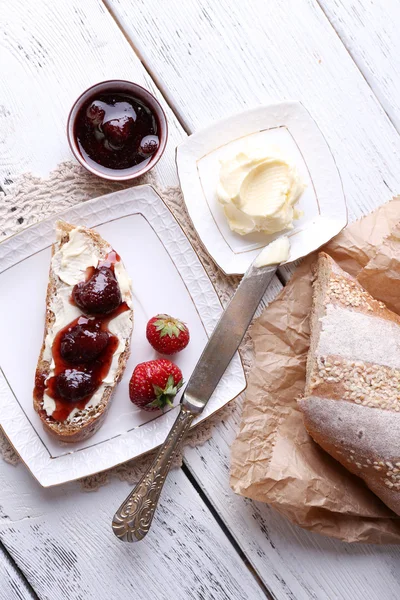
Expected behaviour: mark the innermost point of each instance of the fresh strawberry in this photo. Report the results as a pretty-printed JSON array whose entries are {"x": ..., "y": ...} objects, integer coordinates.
[
  {"x": 155, "y": 383},
  {"x": 167, "y": 335}
]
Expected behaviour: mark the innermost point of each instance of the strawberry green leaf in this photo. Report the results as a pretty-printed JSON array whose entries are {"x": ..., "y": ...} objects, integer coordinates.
[
  {"x": 166, "y": 396},
  {"x": 166, "y": 325}
]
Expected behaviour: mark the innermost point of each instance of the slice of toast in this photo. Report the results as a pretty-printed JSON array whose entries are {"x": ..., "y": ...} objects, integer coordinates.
[
  {"x": 351, "y": 406},
  {"x": 82, "y": 422}
]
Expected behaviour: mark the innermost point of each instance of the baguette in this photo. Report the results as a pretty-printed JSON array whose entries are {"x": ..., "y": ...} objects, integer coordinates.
[
  {"x": 352, "y": 395},
  {"x": 82, "y": 422}
]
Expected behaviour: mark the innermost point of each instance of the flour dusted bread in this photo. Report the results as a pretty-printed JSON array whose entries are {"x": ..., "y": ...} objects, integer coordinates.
[
  {"x": 352, "y": 396},
  {"x": 76, "y": 250}
]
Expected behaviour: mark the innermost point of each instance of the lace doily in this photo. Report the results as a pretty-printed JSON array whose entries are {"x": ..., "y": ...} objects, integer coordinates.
[{"x": 31, "y": 199}]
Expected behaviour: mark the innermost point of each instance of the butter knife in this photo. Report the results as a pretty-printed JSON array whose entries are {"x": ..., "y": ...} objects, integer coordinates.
[{"x": 133, "y": 519}]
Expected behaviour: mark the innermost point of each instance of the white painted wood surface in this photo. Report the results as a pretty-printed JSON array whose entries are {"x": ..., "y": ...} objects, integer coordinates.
[
  {"x": 370, "y": 31},
  {"x": 12, "y": 585},
  {"x": 216, "y": 58},
  {"x": 38, "y": 525},
  {"x": 62, "y": 540},
  {"x": 292, "y": 563},
  {"x": 50, "y": 52},
  {"x": 210, "y": 59}
]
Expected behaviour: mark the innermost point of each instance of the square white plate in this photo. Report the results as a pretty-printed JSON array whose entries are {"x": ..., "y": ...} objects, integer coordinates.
[
  {"x": 167, "y": 277},
  {"x": 288, "y": 126}
]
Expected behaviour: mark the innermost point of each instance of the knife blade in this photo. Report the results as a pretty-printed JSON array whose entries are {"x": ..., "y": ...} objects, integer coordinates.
[{"x": 226, "y": 337}]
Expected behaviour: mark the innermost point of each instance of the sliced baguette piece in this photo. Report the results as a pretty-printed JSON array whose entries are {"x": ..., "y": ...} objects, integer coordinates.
[
  {"x": 352, "y": 395},
  {"x": 83, "y": 423}
]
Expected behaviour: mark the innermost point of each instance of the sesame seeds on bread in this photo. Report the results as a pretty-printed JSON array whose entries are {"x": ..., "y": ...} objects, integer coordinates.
[{"x": 352, "y": 396}]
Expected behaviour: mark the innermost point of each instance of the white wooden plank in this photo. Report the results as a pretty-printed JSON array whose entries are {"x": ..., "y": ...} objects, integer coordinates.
[
  {"x": 370, "y": 32},
  {"x": 62, "y": 540},
  {"x": 293, "y": 563},
  {"x": 212, "y": 59},
  {"x": 12, "y": 584},
  {"x": 56, "y": 52},
  {"x": 282, "y": 588},
  {"x": 50, "y": 52}
]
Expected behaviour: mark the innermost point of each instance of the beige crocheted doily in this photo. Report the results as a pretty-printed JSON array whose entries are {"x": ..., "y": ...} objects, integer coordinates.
[{"x": 32, "y": 199}]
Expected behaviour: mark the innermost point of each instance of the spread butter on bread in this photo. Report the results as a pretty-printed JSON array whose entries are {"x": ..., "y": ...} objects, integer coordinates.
[
  {"x": 78, "y": 254},
  {"x": 352, "y": 396}
]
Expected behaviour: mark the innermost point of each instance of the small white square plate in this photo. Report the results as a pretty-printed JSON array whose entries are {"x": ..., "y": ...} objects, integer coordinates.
[
  {"x": 288, "y": 126},
  {"x": 167, "y": 277}
]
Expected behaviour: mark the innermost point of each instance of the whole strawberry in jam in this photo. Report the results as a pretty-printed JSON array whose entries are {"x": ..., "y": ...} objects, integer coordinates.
[
  {"x": 95, "y": 113},
  {"x": 118, "y": 131},
  {"x": 99, "y": 295},
  {"x": 148, "y": 145},
  {"x": 155, "y": 383},
  {"x": 75, "y": 385},
  {"x": 83, "y": 342},
  {"x": 166, "y": 334}
]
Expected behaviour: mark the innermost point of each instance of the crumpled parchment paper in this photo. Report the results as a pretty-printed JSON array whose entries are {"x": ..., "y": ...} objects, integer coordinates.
[{"x": 274, "y": 460}]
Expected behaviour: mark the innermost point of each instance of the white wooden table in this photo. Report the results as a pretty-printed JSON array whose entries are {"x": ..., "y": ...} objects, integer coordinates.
[{"x": 204, "y": 59}]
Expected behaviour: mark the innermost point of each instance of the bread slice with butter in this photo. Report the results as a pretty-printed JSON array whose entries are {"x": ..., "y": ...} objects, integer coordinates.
[{"x": 77, "y": 251}]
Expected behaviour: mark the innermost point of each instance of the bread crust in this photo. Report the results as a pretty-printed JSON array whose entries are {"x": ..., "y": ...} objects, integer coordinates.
[
  {"x": 351, "y": 406},
  {"x": 91, "y": 422}
]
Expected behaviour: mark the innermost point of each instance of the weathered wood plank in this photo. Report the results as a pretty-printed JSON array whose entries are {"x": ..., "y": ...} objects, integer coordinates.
[
  {"x": 293, "y": 563},
  {"x": 62, "y": 540},
  {"x": 370, "y": 32},
  {"x": 289, "y": 544},
  {"x": 57, "y": 52},
  {"x": 49, "y": 54},
  {"x": 12, "y": 585},
  {"x": 213, "y": 59}
]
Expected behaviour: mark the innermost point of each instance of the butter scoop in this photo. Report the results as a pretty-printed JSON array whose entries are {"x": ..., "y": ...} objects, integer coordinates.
[
  {"x": 275, "y": 253},
  {"x": 258, "y": 190}
]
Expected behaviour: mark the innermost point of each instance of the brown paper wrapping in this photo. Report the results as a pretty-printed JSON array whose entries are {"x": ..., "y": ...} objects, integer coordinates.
[{"x": 273, "y": 458}]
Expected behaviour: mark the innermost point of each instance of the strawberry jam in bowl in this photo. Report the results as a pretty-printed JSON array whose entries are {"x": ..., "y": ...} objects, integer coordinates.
[{"x": 117, "y": 130}]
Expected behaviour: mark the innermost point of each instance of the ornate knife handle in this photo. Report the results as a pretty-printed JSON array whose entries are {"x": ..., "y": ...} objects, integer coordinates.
[{"x": 133, "y": 518}]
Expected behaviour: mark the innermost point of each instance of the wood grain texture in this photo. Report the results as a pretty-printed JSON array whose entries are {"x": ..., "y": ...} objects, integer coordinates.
[
  {"x": 213, "y": 59},
  {"x": 294, "y": 564},
  {"x": 56, "y": 51},
  {"x": 50, "y": 52},
  {"x": 12, "y": 585},
  {"x": 370, "y": 32},
  {"x": 62, "y": 539},
  {"x": 224, "y": 60}
]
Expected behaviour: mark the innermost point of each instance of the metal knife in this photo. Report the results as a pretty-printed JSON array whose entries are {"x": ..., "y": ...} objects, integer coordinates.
[{"x": 133, "y": 519}]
